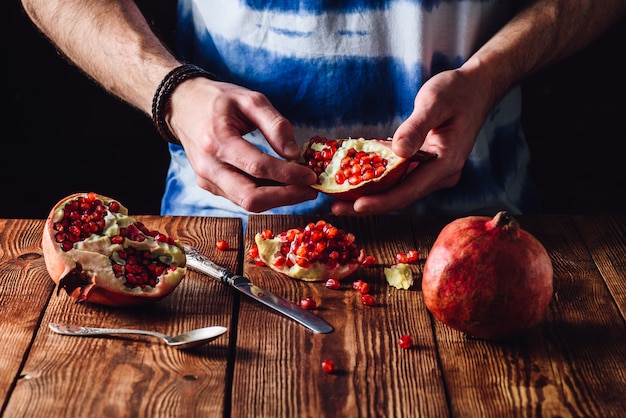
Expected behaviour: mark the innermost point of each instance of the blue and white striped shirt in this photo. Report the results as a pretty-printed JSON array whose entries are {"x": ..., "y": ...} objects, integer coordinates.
[{"x": 347, "y": 69}]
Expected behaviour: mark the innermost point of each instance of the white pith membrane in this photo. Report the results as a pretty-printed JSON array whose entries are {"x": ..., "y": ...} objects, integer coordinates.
[
  {"x": 326, "y": 180},
  {"x": 399, "y": 276}
]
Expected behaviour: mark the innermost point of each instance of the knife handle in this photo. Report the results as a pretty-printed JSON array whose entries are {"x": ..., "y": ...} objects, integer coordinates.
[{"x": 198, "y": 261}]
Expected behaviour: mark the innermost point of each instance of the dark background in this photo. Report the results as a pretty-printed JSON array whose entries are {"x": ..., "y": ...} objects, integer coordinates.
[{"x": 62, "y": 134}]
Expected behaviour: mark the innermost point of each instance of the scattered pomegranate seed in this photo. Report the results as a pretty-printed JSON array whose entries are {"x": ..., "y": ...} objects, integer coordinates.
[
  {"x": 368, "y": 300},
  {"x": 401, "y": 258},
  {"x": 222, "y": 245},
  {"x": 406, "y": 341},
  {"x": 412, "y": 256},
  {"x": 361, "y": 286},
  {"x": 333, "y": 284},
  {"x": 308, "y": 304},
  {"x": 328, "y": 366},
  {"x": 369, "y": 261}
]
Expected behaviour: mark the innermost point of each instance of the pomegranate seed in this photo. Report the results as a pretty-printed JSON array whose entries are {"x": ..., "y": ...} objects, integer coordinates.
[
  {"x": 368, "y": 300},
  {"x": 280, "y": 261},
  {"x": 333, "y": 284},
  {"x": 369, "y": 261},
  {"x": 222, "y": 245},
  {"x": 406, "y": 341},
  {"x": 365, "y": 288},
  {"x": 328, "y": 366},
  {"x": 253, "y": 252},
  {"x": 401, "y": 258},
  {"x": 308, "y": 304},
  {"x": 412, "y": 256}
]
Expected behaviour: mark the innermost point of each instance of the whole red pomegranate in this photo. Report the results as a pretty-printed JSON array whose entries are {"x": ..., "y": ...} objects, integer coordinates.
[
  {"x": 350, "y": 168},
  {"x": 99, "y": 254},
  {"x": 487, "y": 277},
  {"x": 316, "y": 252}
]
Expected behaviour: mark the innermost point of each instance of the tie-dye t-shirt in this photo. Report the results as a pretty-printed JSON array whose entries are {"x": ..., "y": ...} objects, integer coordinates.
[{"x": 348, "y": 69}]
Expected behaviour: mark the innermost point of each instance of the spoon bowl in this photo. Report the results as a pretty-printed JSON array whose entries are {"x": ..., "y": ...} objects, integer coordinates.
[{"x": 186, "y": 340}]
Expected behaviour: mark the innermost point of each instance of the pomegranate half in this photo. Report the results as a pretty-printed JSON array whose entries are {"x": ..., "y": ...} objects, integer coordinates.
[
  {"x": 99, "y": 254},
  {"x": 317, "y": 252},
  {"x": 487, "y": 277},
  {"x": 350, "y": 168}
]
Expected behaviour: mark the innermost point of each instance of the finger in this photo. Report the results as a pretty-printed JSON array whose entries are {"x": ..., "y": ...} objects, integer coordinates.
[
  {"x": 427, "y": 115},
  {"x": 418, "y": 184},
  {"x": 246, "y": 193},
  {"x": 274, "y": 126},
  {"x": 252, "y": 161}
]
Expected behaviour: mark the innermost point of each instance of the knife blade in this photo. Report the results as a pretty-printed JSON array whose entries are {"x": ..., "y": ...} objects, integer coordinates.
[{"x": 199, "y": 262}]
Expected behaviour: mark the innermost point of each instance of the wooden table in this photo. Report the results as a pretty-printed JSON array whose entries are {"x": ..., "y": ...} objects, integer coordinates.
[{"x": 573, "y": 365}]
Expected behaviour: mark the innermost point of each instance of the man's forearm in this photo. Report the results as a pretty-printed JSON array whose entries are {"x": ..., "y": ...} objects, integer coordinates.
[
  {"x": 110, "y": 41},
  {"x": 543, "y": 32}
]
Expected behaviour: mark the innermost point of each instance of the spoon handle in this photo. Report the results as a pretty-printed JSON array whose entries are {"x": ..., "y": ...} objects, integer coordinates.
[{"x": 80, "y": 331}]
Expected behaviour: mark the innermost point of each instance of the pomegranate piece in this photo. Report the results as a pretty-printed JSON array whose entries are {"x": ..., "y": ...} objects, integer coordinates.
[
  {"x": 487, "y": 277},
  {"x": 399, "y": 276},
  {"x": 316, "y": 252},
  {"x": 99, "y": 254},
  {"x": 351, "y": 168}
]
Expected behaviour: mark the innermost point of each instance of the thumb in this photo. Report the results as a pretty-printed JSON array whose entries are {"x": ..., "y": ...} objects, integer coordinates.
[{"x": 409, "y": 137}]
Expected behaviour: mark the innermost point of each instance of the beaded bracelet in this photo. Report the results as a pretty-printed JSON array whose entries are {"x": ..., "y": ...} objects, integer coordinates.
[{"x": 164, "y": 92}]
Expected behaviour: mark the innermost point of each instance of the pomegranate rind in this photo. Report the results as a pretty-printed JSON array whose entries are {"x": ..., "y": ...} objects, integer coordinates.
[
  {"x": 85, "y": 271},
  {"x": 491, "y": 281},
  {"x": 269, "y": 250},
  {"x": 395, "y": 170},
  {"x": 399, "y": 276}
]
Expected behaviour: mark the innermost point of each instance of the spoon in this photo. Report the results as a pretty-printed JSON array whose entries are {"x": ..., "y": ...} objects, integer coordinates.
[{"x": 188, "y": 339}]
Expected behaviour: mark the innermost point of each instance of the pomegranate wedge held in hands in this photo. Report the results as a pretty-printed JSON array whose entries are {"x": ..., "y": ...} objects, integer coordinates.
[
  {"x": 350, "y": 168},
  {"x": 99, "y": 254}
]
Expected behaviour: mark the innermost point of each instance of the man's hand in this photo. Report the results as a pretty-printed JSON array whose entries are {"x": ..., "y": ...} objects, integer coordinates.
[
  {"x": 210, "y": 118},
  {"x": 449, "y": 111}
]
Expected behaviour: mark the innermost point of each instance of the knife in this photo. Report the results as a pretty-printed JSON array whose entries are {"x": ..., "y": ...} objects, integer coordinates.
[{"x": 199, "y": 262}]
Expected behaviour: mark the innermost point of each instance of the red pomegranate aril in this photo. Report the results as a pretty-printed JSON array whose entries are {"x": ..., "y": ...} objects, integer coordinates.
[
  {"x": 401, "y": 258},
  {"x": 333, "y": 284},
  {"x": 308, "y": 304},
  {"x": 368, "y": 300},
  {"x": 412, "y": 256},
  {"x": 405, "y": 341},
  {"x": 368, "y": 261},
  {"x": 222, "y": 245},
  {"x": 328, "y": 366}
]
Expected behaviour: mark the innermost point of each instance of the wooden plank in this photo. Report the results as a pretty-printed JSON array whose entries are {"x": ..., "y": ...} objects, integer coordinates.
[
  {"x": 571, "y": 365},
  {"x": 137, "y": 376},
  {"x": 375, "y": 377},
  {"x": 25, "y": 289},
  {"x": 605, "y": 236}
]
